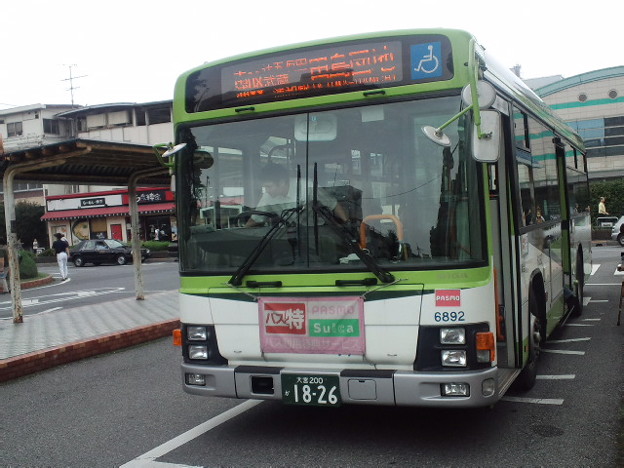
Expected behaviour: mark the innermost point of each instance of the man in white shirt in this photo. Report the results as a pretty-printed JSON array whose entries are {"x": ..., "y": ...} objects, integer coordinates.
[{"x": 280, "y": 193}]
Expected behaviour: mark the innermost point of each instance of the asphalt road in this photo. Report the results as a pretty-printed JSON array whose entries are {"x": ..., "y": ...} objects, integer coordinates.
[
  {"x": 128, "y": 409},
  {"x": 92, "y": 284}
]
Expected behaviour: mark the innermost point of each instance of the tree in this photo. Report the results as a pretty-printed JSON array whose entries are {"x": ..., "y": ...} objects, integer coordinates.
[
  {"x": 613, "y": 191},
  {"x": 28, "y": 224}
]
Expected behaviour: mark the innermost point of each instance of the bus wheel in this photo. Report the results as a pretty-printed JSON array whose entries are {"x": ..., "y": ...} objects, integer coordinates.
[{"x": 526, "y": 379}]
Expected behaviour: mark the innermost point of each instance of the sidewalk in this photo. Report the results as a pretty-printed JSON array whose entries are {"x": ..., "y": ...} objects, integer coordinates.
[{"x": 58, "y": 337}]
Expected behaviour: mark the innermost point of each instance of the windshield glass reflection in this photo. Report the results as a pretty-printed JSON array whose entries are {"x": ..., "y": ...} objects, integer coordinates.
[{"x": 317, "y": 191}]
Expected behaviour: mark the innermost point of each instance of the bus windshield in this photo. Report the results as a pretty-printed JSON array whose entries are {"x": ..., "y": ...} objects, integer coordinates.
[{"x": 328, "y": 190}]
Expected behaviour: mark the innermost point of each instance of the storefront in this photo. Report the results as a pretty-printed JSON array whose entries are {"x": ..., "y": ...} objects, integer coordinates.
[{"x": 106, "y": 215}]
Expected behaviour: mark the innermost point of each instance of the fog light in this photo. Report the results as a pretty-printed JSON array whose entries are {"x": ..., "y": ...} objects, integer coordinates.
[
  {"x": 454, "y": 358},
  {"x": 455, "y": 389},
  {"x": 488, "y": 387},
  {"x": 198, "y": 352},
  {"x": 196, "y": 333},
  {"x": 452, "y": 336},
  {"x": 196, "y": 379}
]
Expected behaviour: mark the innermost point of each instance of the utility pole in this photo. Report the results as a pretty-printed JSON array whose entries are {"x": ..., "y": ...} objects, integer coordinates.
[{"x": 71, "y": 82}]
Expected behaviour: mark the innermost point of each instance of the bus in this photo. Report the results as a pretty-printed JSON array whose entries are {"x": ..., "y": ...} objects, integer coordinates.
[{"x": 383, "y": 219}]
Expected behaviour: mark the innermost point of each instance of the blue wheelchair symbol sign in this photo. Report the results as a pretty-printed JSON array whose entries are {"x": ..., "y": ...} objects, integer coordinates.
[{"x": 426, "y": 60}]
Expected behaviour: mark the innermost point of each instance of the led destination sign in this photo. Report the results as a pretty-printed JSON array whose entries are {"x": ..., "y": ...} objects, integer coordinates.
[
  {"x": 314, "y": 71},
  {"x": 301, "y": 73}
]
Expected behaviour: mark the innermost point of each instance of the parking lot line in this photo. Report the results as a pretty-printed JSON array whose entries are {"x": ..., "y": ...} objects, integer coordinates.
[
  {"x": 148, "y": 459},
  {"x": 534, "y": 401},
  {"x": 556, "y": 377}
]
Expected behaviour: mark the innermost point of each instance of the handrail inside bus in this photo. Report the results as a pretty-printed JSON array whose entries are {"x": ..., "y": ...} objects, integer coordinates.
[{"x": 365, "y": 222}]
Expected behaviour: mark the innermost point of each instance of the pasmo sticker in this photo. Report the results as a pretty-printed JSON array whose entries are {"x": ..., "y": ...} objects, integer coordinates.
[{"x": 448, "y": 298}]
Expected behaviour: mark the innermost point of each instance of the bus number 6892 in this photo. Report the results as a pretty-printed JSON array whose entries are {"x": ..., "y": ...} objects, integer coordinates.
[{"x": 449, "y": 316}]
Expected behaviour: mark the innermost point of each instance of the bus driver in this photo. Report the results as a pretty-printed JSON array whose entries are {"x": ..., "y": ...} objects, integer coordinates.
[{"x": 280, "y": 193}]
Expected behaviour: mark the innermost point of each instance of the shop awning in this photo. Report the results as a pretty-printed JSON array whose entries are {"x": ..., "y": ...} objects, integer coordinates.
[{"x": 108, "y": 211}]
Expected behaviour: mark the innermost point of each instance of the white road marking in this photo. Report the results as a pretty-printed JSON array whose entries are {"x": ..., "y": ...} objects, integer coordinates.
[
  {"x": 48, "y": 310},
  {"x": 594, "y": 269},
  {"x": 568, "y": 340},
  {"x": 592, "y": 320},
  {"x": 595, "y": 301},
  {"x": 562, "y": 351},
  {"x": 148, "y": 459},
  {"x": 60, "y": 297},
  {"x": 534, "y": 401},
  {"x": 556, "y": 377},
  {"x": 578, "y": 325}
]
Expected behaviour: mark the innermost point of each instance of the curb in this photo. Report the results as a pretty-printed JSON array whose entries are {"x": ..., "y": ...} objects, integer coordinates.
[
  {"x": 605, "y": 243},
  {"x": 30, "y": 363},
  {"x": 38, "y": 282}
]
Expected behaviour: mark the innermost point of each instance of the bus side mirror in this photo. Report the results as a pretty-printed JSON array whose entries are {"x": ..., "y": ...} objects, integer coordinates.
[{"x": 487, "y": 148}]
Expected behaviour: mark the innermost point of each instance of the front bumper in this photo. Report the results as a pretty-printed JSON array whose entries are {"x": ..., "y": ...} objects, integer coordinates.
[{"x": 363, "y": 387}]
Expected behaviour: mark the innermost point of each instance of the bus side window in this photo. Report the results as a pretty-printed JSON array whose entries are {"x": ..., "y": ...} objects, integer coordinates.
[{"x": 525, "y": 186}]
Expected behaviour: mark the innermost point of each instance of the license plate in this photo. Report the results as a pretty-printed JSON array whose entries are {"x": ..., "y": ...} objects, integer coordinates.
[{"x": 312, "y": 390}]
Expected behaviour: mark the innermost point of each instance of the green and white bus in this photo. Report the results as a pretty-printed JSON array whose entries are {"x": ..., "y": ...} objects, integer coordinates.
[{"x": 384, "y": 219}]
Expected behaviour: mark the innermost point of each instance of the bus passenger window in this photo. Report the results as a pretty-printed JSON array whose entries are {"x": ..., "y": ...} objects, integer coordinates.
[{"x": 525, "y": 179}]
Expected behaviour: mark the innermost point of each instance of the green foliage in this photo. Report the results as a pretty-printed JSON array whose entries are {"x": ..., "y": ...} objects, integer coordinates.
[
  {"x": 156, "y": 246},
  {"x": 28, "y": 224},
  {"x": 48, "y": 253},
  {"x": 613, "y": 191},
  {"x": 28, "y": 266}
]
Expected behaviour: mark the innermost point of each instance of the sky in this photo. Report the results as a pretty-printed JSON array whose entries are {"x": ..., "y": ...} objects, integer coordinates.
[{"x": 133, "y": 50}]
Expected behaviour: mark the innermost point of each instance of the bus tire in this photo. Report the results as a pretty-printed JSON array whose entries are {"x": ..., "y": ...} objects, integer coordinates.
[{"x": 528, "y": 375}]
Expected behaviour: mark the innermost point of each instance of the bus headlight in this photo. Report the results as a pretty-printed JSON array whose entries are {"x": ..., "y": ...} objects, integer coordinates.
[
  {"x": 453, "y": 336},
  {"x": 198, "y": 352},
  {"x": 454, "y": 358},
  {"x": 196, "y": 333}
]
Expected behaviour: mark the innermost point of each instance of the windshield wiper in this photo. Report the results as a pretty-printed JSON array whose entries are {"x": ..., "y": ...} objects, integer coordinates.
[
  {"x": 237, "y": 277},
  {"x": 383, "y": 275}
]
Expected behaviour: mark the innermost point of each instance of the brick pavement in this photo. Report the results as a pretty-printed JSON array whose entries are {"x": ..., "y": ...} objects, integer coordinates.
[{"x": 58, "y": 337}]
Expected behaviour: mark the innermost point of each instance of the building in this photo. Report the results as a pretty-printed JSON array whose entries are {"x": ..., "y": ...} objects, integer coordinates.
[
  {"x": 39, "y": 124},
  {"x": 27, "y": 127},
  {"x": 593, "y": 104},
  {"x": 102, "y": 215}
]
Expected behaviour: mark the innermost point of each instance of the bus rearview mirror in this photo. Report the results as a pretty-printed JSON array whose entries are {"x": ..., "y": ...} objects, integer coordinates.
[{"x": 487, "y": 147}]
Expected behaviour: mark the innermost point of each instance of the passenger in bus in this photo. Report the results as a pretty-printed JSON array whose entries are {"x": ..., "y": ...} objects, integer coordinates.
[
  {"x": 539, "y": 218},
  {"x": 280, "y": 193},
  {"x": 527, "y": 216}
]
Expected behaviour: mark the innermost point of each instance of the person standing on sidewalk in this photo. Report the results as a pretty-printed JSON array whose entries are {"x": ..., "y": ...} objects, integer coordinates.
[
  {"x": 602, "y": 207},
  {"x": 61, "y": 248}
]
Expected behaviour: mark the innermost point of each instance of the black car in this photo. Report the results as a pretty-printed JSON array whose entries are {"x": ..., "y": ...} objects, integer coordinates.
[{"x": 98, "y": 251}]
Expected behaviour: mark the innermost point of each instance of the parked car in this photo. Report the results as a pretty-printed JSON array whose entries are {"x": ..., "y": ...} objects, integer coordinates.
[
  {"x": 617, "y": 231},
  {"x": 98, "y": 251}
]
